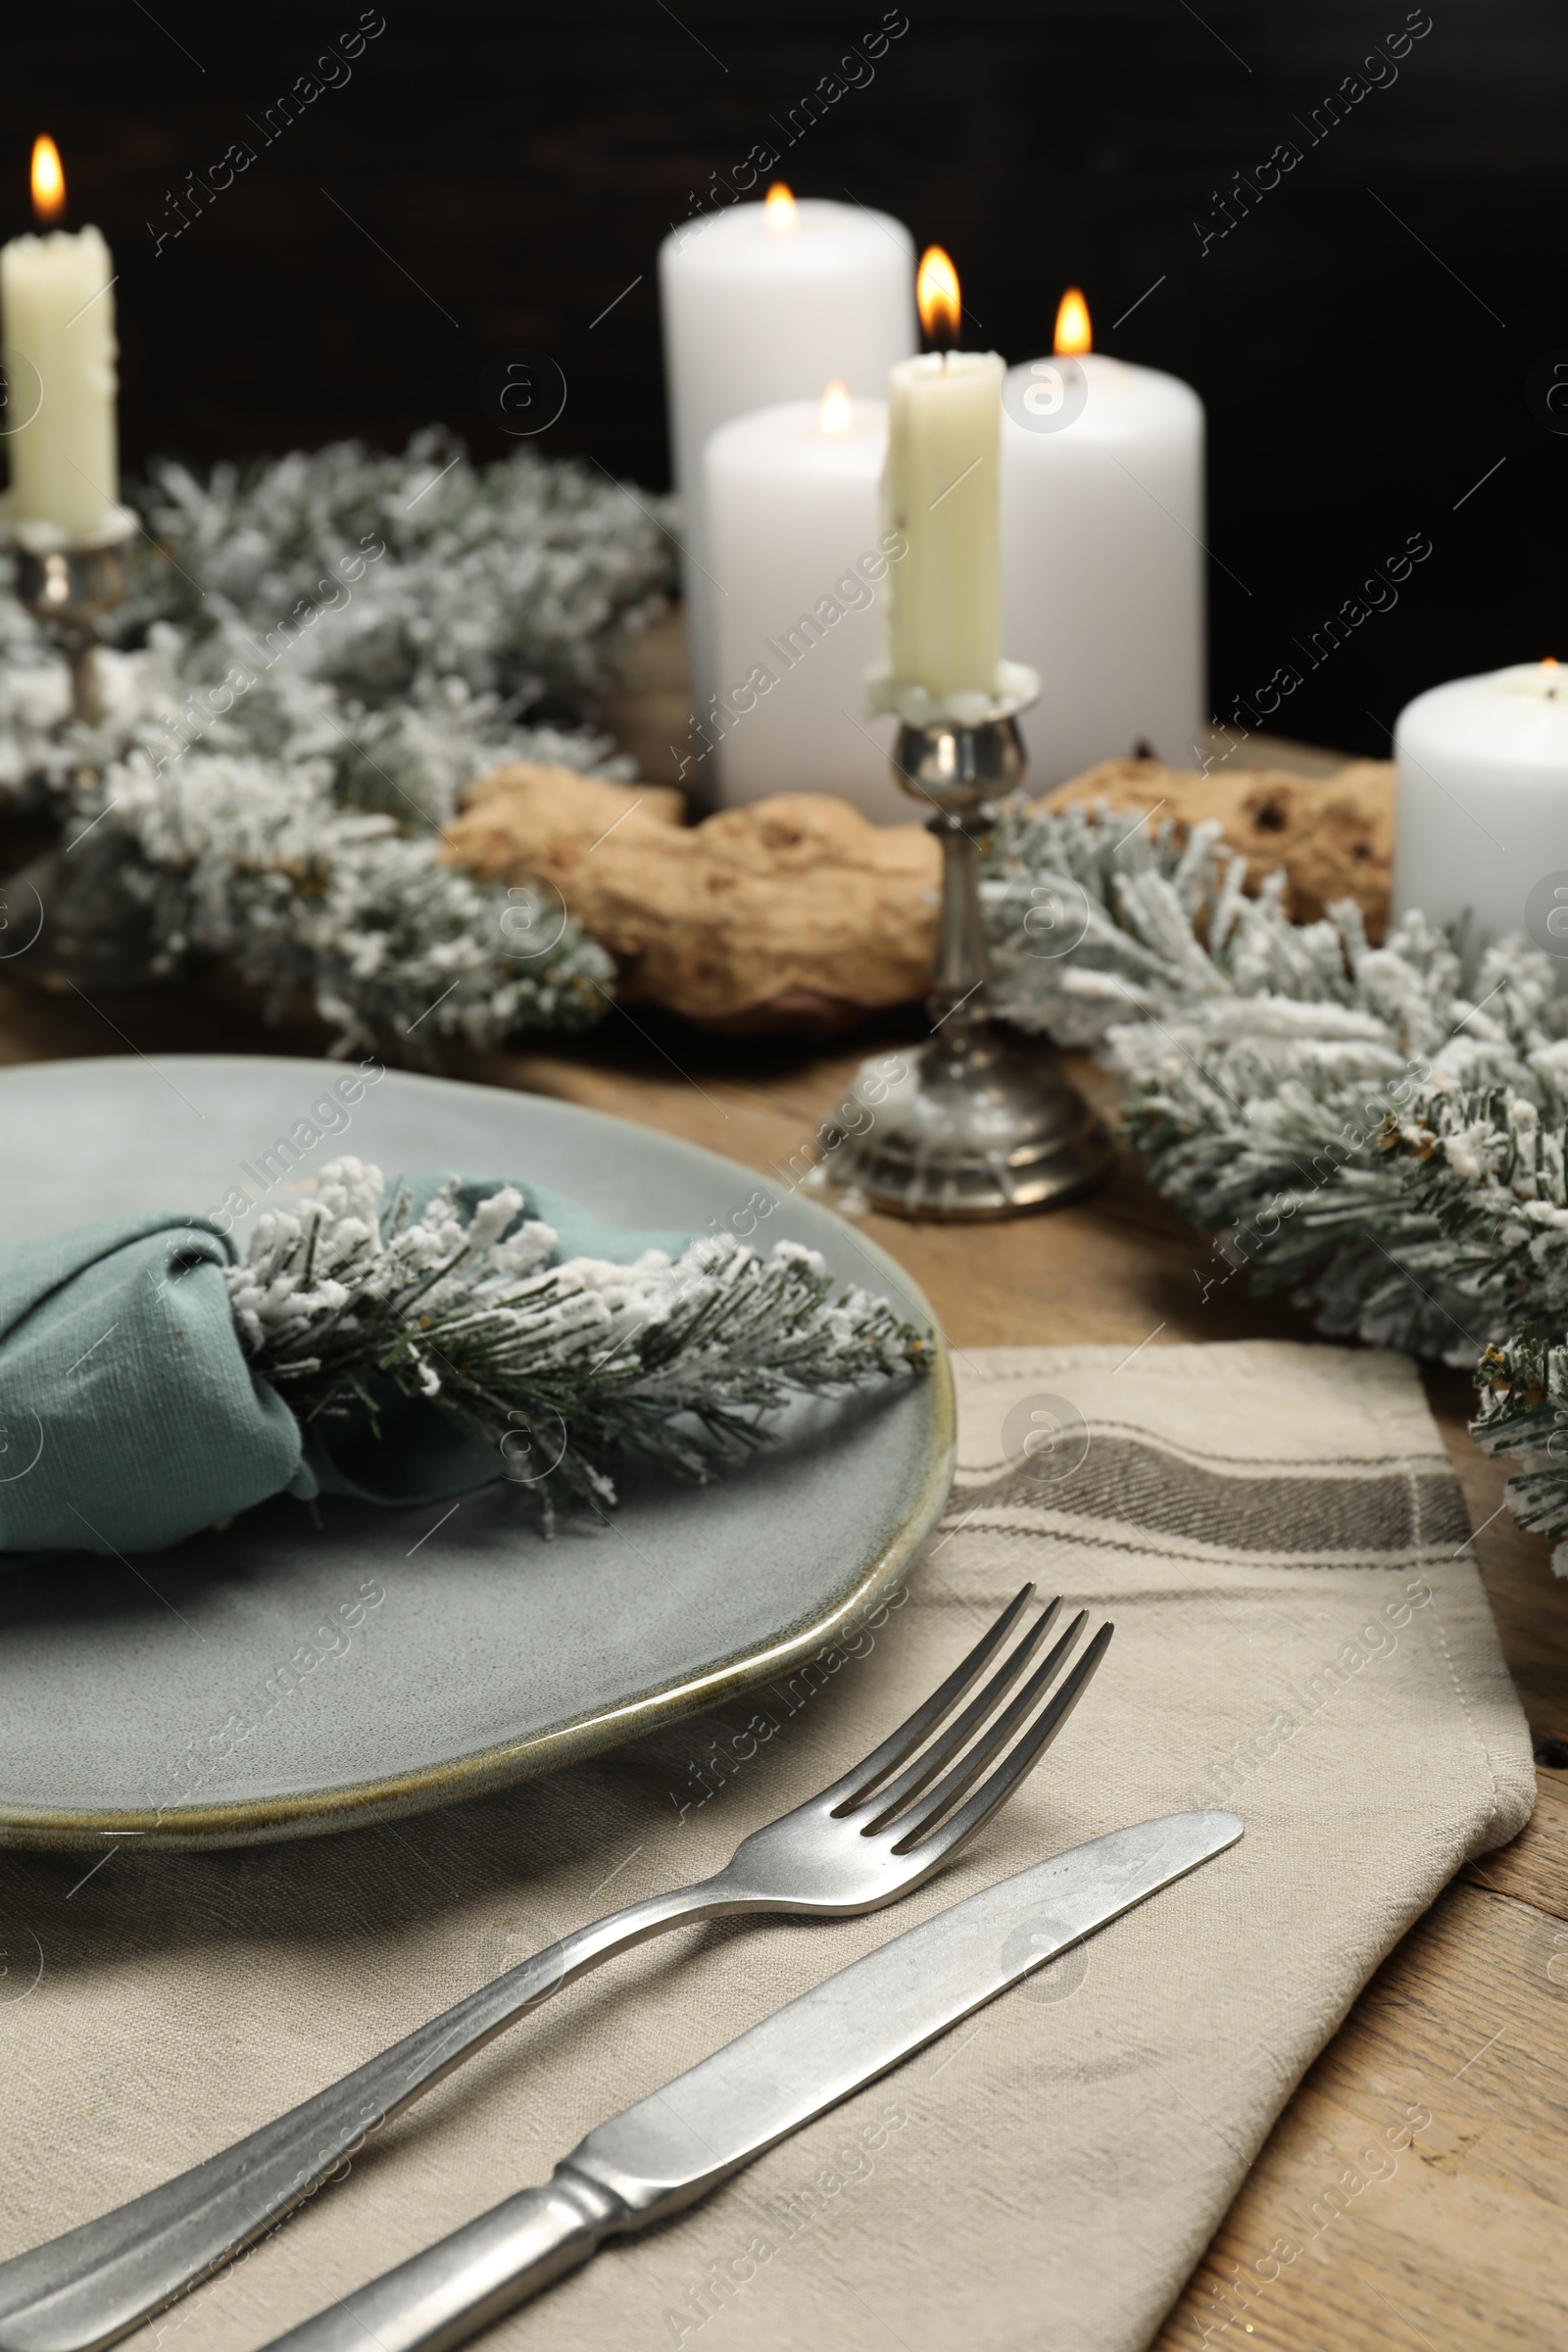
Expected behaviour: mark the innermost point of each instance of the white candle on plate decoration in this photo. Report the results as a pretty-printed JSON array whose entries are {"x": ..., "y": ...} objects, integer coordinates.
[
  {"x": 57, "y": 320},
  {"x": 1102, "y": 553},
  {"x": 762, "y": 303},
  {"x": 801, "y": 485},
  {"x": 1482, "y": 808},
  {"x": 941, "y": 500}
]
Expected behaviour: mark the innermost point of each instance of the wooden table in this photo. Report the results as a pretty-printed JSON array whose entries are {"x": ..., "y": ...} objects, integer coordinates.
[{"x": 1465, "y": 2247}]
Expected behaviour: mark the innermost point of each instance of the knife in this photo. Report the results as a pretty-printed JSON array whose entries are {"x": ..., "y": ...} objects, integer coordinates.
[{"x": 675, "y": 2145}]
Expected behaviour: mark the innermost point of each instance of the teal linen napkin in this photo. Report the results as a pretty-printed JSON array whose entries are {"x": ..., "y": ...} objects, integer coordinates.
[{"x": 129, "y": 1416}]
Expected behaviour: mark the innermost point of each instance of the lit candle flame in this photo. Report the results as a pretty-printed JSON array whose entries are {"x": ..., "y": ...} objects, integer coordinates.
[
  {"x": 936, "y": 296},
  {"x": 1073, "y": 337},
  {"x": 48, "y": 181},
  {"x": 835, "y": 416},
  {"x": 780, "y": 213},
  {"x": 1550, "y": 665}
]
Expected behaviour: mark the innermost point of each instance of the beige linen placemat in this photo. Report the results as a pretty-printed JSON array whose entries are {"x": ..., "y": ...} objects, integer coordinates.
[{"x": 1301, "y": 1635}]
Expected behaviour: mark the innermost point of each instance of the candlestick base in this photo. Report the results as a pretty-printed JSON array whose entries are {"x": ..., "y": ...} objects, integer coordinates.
[
  {"x": 980, "y": 1125},
  {"x": 989, "y": 1130}
]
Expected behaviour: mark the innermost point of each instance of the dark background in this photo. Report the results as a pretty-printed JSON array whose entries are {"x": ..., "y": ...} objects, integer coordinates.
[{"x": 516, "y": 168}]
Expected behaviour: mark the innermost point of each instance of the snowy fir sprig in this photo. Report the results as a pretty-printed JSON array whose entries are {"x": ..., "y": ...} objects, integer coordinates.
[
  {"x": 566, "y": 1373},
  {"x": 317, "y": 656},
  {"x": 1366, "y": 1125}
]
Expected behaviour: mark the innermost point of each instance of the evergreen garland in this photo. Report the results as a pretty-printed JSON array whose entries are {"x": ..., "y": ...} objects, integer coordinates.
[
  {"x": 317, "y": 655},
  {"x": 1356, "y": 1123}
]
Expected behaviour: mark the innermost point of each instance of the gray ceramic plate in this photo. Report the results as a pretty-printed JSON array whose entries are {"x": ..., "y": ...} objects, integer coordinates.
[{"x": 277, "y": 1679}]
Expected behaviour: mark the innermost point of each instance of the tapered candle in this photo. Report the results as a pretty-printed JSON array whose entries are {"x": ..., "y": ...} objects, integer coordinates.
[
  {"x": 57, "y": 323},
  {"x": 941, "y": 497}
]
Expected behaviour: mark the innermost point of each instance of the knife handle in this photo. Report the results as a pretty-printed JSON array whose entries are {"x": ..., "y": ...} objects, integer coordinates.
[{"x": 466, "y": 2281}]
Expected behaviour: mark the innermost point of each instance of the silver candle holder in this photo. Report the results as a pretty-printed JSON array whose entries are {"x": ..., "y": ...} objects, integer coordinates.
[
  {"x": 985, "y": 1126},
  {"x": 88, "y": 930},
  {"x": 71, "y": 589}
]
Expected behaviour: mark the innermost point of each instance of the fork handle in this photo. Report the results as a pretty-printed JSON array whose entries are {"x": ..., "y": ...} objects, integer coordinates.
[{"x": 97, "y": 2281}]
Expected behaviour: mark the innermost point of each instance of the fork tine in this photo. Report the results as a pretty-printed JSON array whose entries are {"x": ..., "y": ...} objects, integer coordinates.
[
  {"x": 963, "y": 1825},
  {"x": 863, "y": 1776},
  {"x": 990, "y": 1742},
  {"x": 893, "y": 1800}
]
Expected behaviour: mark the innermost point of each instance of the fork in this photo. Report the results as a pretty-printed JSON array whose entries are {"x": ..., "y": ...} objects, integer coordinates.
[{"x": 873, "y": 1836}]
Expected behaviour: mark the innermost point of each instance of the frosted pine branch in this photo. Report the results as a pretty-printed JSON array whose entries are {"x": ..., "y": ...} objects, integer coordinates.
[
  {"x": 674, "y": 1365},
  {"x": 317, "y": 654},
  {"x": 1355, "y": 1121},
  {"x": 1270, "y": 1066}
]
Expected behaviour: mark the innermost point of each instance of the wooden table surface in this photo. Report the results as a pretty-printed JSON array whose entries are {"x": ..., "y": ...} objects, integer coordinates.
[{"x": 1465, "y": 2247}]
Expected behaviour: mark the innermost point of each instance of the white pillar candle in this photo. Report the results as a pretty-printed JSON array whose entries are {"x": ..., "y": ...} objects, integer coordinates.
[
  {"x": 761, "y": 304},
  {"x": 1482, "y": 808},
  {"x": 795, "y": 524},
  {"x": 1103, "y": 557},
  {"x": 57, "y": 323}
]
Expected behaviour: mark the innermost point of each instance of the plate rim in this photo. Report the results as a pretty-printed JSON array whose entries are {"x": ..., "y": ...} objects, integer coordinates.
[{"x": 259, "y": 1821}]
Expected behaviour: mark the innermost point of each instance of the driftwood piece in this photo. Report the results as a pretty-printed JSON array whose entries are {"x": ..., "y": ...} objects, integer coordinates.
[
  {"x": 791, "y": 913},
  {"x": 1334, "y": 835},
  {"x": 794, "y": 913}
]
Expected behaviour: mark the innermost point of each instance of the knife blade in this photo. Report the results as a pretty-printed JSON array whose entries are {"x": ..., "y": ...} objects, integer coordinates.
[{"x": 681, "y": 2141}]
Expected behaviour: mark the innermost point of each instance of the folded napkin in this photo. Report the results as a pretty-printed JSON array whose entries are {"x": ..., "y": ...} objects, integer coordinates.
[
  {"x": 129, "y": 1412},
  {"x": 1275, "y": 1531}
]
